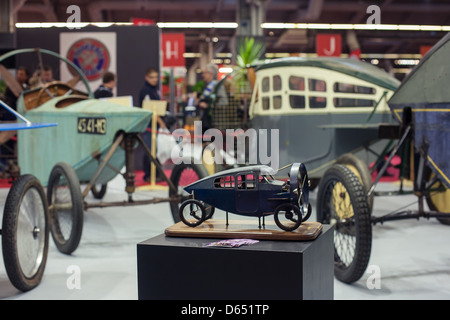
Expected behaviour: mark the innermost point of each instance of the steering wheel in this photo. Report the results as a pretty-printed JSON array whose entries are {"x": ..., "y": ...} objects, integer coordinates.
[
  {"x": 299, "y": 185},
  {"x": 53, "y": 89}
]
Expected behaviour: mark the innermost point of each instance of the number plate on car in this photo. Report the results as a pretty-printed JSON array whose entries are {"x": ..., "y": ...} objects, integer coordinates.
[{"x": 92, "y": 125}]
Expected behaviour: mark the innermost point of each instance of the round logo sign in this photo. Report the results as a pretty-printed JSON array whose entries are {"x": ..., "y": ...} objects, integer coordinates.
[{"x": 91, "y": 56}]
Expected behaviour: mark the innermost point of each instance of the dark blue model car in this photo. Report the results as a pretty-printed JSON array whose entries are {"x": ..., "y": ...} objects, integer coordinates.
[{"x": 250, "y": 191}]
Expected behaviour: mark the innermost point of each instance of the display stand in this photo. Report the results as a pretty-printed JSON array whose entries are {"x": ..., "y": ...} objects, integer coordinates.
[
  {"x": 244, "y": 229},
  {"x": 158, "y": 108},
  {"x": 178, "y": 268}
]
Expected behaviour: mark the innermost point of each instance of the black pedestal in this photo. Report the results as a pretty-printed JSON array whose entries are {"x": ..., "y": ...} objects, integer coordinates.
[{"x": 172, "y": 268}]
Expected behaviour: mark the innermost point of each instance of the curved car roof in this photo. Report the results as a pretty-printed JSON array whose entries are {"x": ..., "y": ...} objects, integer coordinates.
[
  {"x": 352, "y": 67},
  {"x": 258, "y": 169},
  {"x": 428, "y": 81}
]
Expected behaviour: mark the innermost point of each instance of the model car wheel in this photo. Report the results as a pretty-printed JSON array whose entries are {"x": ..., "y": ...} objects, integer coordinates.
[
  {"x": 342, "y": 202},
  {"x": 287, "y": 216},
  {"x": 299, "y": 184},
  {"x": 192, "y": 212},
  {"x": 65, "y": 207},
  {"x": 25, "y": 233},
  {"x": 182, "y": 176}
]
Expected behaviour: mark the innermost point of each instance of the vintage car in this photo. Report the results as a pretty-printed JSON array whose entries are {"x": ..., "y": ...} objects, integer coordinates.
[
  {"x": 94, "y": 140},
  {"x": 250, "y": 191},
  {"x": 337, "y": 102}
]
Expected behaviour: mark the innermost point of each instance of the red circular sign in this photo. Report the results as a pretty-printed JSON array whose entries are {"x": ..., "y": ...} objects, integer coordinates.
[{"x": 91, "y": 56}]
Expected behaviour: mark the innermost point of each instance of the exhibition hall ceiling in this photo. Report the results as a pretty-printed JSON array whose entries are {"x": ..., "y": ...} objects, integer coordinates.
[{"x": 281, "y": 40}]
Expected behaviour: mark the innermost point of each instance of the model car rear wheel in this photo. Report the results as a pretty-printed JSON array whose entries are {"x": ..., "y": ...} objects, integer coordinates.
[
  {"x": 287, "y": 216},
  {"x": 192, "y": 212}
]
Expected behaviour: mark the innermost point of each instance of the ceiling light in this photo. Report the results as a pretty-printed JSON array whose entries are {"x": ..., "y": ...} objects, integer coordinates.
[{"x": 338, "y": 26}]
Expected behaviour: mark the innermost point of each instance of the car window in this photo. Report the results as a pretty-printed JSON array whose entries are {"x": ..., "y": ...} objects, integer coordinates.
[
  {"x": 246, "y": 181},
  {"x": 224, "y": 182}
]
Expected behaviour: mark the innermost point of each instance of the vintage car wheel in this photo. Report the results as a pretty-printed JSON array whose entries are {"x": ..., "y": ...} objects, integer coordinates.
[
  {"x": 287, "y": 216},
  {"x": 25, "y": 233},
  {"x": 438, "y": 198},
  {"x": 361, "y": 170},
  {"x": 183, "y": 175},
  {"x": 192, "y": 212},
  {"x": 99, "y": 190},
  {"x": 209, "y": 210},
  {"x": 342, "y": 202},
  {"x": 65, "y": 207}
]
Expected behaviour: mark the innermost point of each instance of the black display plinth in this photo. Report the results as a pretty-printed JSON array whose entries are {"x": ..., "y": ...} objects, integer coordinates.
[{"x": 173, "y": 268}]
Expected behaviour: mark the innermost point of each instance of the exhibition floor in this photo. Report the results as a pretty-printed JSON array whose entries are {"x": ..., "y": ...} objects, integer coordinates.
[{"x": 412, "y": 256}]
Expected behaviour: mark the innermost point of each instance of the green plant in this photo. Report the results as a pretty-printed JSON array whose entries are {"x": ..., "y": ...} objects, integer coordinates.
[{"x": 249, "y": 52}]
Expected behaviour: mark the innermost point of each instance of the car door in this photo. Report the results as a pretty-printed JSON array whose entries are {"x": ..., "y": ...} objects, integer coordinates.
[{"x": 247, "y": 193}]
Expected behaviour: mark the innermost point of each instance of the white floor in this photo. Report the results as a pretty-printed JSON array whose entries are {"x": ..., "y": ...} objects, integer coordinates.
[{"x": 412, "y": 257}]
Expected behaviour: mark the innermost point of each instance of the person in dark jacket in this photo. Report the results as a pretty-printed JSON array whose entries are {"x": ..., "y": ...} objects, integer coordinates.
[
  {"x": 106, "y": 88},
  {"x": 150, "y": 91}
]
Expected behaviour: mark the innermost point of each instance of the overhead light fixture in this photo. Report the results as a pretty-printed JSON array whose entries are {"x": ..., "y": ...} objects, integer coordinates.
[
  {"x": 162, "y": 25},
  {"x": 198, "y": 25},
  {"x": 346, "y": 26}
]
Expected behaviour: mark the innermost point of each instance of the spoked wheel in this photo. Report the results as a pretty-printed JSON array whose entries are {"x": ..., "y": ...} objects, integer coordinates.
[
  {"x": 25, "y": 233},
  {"x": 192, "y": 212},
  {"x": 182, "y": 176},
  {"x": 361, "y": 170},
  {"x": 66, "y": 207},
  {"x": 287, "y": 216},
  {"x": 342, "y": 202}
]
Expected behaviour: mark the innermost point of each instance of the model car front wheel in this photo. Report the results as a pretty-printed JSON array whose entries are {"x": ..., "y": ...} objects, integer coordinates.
[
  {"x": 192, "y": 212},
  {"x": 287, "y": 216}
]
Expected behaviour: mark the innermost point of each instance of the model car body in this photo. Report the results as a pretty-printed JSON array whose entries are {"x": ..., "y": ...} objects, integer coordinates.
[{"x": 250, "y": 191}]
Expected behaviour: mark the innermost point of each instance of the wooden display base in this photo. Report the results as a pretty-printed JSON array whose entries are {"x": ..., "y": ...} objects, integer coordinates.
[{"x": 245, "y": 229}]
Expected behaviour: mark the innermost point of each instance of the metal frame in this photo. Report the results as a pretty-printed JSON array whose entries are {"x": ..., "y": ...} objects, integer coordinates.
[
  {"x": 128, "y": 142},
  {"x": 422, "y": 188}
]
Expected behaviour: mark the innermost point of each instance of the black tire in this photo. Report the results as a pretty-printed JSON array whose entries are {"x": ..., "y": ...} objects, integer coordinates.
[
  {"x": 342, "y": 201},
  {"x": 438, "y": 197},
  {"x": 65, "y": 207},
  {"x": 183, "y": 175},
  {"x": 192, "y": 212},
  {"x": 99, "y": 191},
  {"x": 25, "y": 233},
  {"x": 361, "y": 170},
  {"x": 287, "y": 216}
]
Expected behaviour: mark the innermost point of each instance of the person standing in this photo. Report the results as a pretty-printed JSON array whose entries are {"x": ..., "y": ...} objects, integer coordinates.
[
  {"x": 210, "y": 78},
  {"x": 106, "y": 88},
  {"x": 150, "y": 91},
  {"x": 22, "y": 76}
]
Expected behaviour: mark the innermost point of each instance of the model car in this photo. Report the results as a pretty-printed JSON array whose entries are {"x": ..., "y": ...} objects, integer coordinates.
[{"x": 250, "y": 191}]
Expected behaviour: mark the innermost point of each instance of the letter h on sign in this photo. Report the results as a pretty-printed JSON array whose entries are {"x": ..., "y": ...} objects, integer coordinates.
[{"x": 173, "y": 49}]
